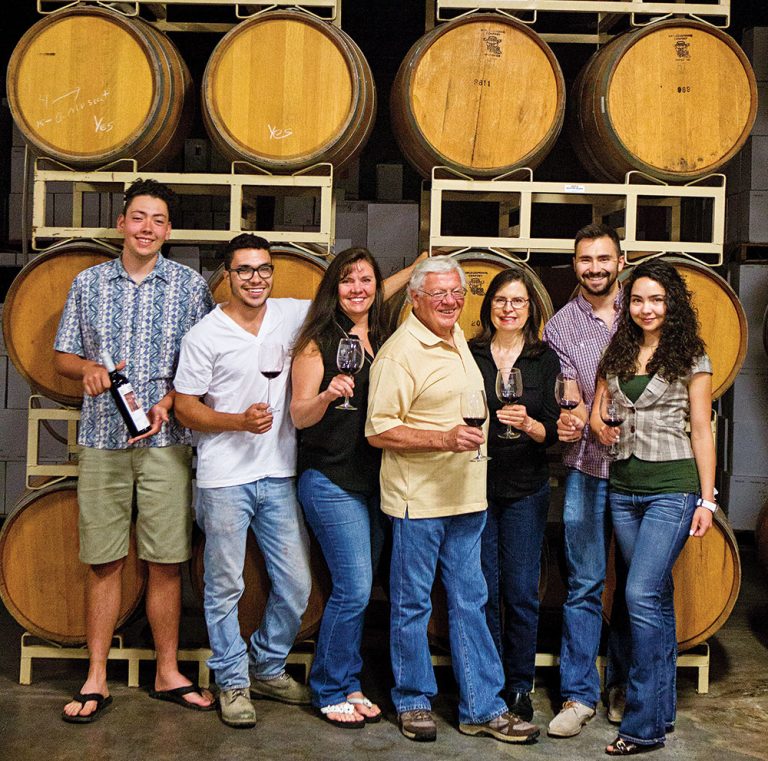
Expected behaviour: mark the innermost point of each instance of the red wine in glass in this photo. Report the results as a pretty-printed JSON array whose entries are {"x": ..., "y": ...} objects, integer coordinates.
[
  {"x": 474, "y": 411},
  {"x": 612, "y": 414},
  {"x": 270, "y": 374},
  {"x": 509, "y": 390},
  {"x": 474, "y": 422},
  {"x": 271, "y": 359},
  {"x": 349, "y": 360}
]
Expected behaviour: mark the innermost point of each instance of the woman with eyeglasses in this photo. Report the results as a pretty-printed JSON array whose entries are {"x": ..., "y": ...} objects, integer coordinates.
[
  {"x": 518, "y": 474},
  {"x": 662, "y": 483},
  {"x": 339, "y": 471}
]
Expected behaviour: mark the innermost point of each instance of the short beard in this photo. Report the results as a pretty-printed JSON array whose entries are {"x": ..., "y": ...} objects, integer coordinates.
[{"x": 603, "y": 291}]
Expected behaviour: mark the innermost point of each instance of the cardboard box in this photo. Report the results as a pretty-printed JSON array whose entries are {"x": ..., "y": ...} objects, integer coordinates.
[
  {"x": 393, "y": 230},
  {"x": 755, "y": 45},
  {"x": 750, "y": 281},
  {"x": 743, "y": 497}
]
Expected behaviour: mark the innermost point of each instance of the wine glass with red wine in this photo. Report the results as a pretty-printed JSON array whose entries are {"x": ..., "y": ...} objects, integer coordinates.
[
  {"x": 567, "y": 392},
  {"x": 271, "y": 359},
  {"x": 474, "y": 411},
  {"x": 509, "y": 389},
  {"x": 349, "y": 359},
  {"x": 612, "y": 414}
]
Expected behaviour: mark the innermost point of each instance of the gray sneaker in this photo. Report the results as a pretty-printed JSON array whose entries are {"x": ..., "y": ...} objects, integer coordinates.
[
  {"x": 572, "y": 717},
  {"x": 418, "y": 725},
  {"x": 283, "y": 688},
  {"x": 617, "y": 701},
  {"x": 507, "y": 728},
  {"x": 236, "y": 708}
]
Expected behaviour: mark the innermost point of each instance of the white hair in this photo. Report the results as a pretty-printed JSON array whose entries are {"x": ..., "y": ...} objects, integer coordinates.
[{"x": 433, "y": 264}]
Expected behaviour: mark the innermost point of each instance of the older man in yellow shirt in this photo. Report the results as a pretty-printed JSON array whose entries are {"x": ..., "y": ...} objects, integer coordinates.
[{"x": 435, "y": 495}]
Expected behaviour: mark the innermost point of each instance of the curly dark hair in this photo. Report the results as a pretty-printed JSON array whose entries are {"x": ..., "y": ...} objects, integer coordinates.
[
  {"x": 154, "y": 189},
  {"x": 679, "y": 341},
  {"x": 319, "y": 323},
  {"x": 532, "y": 325}
]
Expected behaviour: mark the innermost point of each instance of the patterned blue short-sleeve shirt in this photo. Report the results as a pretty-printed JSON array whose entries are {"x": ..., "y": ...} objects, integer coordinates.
[{"x": 141, "y": 323}]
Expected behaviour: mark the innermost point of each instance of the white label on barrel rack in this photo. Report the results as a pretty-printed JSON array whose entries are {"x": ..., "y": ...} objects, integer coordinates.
[
  {"x": 134, "y": 408},
  {"x": 574, "y": 188}
]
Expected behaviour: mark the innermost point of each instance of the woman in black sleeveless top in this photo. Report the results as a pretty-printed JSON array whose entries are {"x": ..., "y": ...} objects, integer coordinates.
[{"x": 339, "y": 472}]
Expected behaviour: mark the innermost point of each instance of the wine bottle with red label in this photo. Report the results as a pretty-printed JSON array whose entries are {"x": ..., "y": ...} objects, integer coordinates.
[{"x": 125, "y": 399}]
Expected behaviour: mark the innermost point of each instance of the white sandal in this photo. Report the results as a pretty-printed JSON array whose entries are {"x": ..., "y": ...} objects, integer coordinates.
[
  {"x": 347, "y": 709},
  {"x": 367, "y": 704}
]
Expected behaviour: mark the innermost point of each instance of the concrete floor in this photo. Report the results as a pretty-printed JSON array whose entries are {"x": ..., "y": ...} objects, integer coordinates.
[{"x": 729, "y": 723}]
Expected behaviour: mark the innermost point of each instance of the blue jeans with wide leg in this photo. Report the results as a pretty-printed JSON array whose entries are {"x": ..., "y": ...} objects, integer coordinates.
[
  {"x": 511, "y": 554},
  {"x": 651, "y": 530},
  {"x": 347, "y": 525},
  {"x": 269, "y": 508},
  {"x": 418, "y": 545},
  {"x": 587, "y": 525}
]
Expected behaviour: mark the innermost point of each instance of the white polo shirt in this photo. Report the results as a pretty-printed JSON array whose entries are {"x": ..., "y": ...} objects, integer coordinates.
[{"x": 219, "y": 361}]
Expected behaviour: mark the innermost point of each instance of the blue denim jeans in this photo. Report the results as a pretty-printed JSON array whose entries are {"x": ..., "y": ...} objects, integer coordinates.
[
  {"x": 347, "y": 525},
  {"x": 586, "y": 520},
  {"x": 511, "y": 554},
  {"x": 417, "y": 547},
  {"x": 270, "y": 509},
  {"x": 651, "y": 530}
]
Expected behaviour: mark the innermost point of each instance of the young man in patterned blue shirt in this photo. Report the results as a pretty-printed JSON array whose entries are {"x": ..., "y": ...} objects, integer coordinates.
[{"x": 137, "y": 308}]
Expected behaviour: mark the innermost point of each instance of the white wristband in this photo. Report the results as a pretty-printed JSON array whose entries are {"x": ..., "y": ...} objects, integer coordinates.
[{"x": 705, "y": 503}]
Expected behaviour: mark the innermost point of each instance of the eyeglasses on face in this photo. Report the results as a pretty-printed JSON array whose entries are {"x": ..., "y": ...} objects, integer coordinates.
[
  {"x": 517, "y": 303},
  {"x": 457, "y": 293},
  {"x": 246, "y": 272}
]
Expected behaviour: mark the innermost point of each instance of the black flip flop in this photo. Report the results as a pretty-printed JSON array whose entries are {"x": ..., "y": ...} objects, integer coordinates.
[
  {"x": 102, "y": 703},
  {"x": 341, "y": 724},
  {"x": 622, "y": 747},
  {"x": 177, "y": 696}
]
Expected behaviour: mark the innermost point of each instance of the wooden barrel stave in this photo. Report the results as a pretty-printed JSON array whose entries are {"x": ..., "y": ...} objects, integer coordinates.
[
  {"x": 323, "y": 112},
  {"x": 42, "y": 581},
  {"x": 87, "y": 86},
  {"x": 676, "y": 99},
  {"x": 482, "y": 95},
  {"x": 32, "y": 311}
]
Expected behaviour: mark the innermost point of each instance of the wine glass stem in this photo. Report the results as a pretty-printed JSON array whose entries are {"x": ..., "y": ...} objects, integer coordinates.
[
  {"x": 269, "y": 384},
  {"x": 509, "y": 429}
]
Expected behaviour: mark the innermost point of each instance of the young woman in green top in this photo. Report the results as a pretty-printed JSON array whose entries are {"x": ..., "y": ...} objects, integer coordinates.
[{"x": 662, "y": 481}]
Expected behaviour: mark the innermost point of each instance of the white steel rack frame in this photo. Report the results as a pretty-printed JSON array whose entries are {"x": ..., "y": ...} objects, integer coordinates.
[
  {"x": 522, "y": 194},
  {"x": 328, "y": 10},
  {"x": 234, "y": 184},
  {"x": 720, "y": 9}
]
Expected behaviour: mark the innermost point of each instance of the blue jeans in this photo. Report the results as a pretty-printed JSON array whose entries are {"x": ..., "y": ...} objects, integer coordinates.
[
  {"x": 651, "y": 530},
  {"x": 269, "y": 507},
  {"x": 586, "y": 520},
  {"x": 343, "y": 523},
  {"x": 417, "y": 546},
  {"x": 511, "y": 554}
]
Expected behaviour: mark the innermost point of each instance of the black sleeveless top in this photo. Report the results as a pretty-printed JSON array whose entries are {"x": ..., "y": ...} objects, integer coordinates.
[{"x": 336, "y": 445}]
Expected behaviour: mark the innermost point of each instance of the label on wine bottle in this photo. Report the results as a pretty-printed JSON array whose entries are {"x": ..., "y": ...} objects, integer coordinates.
[{"x": 141, "y": 421}]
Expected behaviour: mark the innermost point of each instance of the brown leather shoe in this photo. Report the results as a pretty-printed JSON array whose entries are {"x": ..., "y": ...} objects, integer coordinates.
[
  {"x": 418, "y": 725},
  {"x": 507, "y": 728}
]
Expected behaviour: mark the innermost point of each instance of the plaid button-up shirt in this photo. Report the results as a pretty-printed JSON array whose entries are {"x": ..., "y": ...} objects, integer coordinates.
[
  {"x": 142, "y": 323},
  {"x": 579, "y": 338}
]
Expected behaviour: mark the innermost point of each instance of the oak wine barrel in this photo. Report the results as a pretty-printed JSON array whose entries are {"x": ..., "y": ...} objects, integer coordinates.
[
  {"x": 285, "y": 90},
  {"x": 297, "y": 275},
  {"x": 257, "y": 586},
  {"x": 707, "y": 578},
  {"x": 32, "y": 311},
  {"x": 482, "y": 94},
  {"x": 42, "y": 581},
  {"x": 87, "y": 86},
  {"x": 480, "y": 267},
  {"x": 675, "y": 99}
]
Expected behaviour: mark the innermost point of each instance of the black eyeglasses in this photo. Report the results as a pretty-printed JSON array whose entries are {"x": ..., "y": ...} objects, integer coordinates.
[{"x": 246, "y": 273}]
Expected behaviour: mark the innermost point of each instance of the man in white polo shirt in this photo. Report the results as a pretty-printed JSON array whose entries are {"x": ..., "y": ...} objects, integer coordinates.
[{"x": 245, "y": 476}]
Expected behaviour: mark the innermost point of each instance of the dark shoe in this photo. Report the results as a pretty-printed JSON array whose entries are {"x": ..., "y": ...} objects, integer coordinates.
[
  {"x": 177, "y": 696},
  {"x": 519, "y": 703},
  {"x": 621, "y": 747},
  {"x": 418, "y": 725},
  {"x": 617, "y": 701},
  {"x": 507, "y": 728},
  {"x": 101, "y": 704}
]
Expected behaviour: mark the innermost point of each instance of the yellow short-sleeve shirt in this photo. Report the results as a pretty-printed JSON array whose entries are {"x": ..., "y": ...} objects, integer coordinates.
[{"x": 417, "y": 380}]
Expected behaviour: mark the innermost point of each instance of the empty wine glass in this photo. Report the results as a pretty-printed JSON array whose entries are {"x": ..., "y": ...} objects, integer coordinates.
[
  {"x": 612, "y": 413},
  {"x": 509, "y": 389},
  {"x": 271, "y": 359},
  {"x": 474, "y": 411},
  {"x": 349, "y": 359}
]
